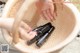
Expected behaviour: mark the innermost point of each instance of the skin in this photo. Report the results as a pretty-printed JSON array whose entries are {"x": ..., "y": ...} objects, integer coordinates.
[
  {"x": 45, "y": 9},
  {"x": 24, "y": 29}
]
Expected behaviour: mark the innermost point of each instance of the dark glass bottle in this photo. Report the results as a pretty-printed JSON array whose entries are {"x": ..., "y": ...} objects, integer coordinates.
[{"x": 41, "y": 31}]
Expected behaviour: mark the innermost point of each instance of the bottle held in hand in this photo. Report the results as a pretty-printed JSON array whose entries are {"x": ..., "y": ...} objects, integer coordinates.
[{"x": 40, "y": 32}]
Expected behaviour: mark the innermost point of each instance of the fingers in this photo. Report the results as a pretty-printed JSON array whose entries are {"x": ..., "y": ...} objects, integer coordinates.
[
  {"x": 52, "y": 11},
  {"x": 25, "y": 35},
  {"x": 48, "y": 10},
  {"x": 26, "y": 27},
  {"x": 48, "y": 14},
  {"x": 44, "y": 15}
]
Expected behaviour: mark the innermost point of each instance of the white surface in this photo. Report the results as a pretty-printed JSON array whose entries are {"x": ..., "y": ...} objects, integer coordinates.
[{"x": 73, "y": 47}]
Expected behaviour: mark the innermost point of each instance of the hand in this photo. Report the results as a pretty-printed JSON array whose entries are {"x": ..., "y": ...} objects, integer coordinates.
[
  {"x": 25, "y": 30},
  {"x": 46, "y": 9}
]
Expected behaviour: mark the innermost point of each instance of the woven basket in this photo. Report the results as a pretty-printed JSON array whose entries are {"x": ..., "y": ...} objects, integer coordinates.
[{"x": 66, "y": 24}]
